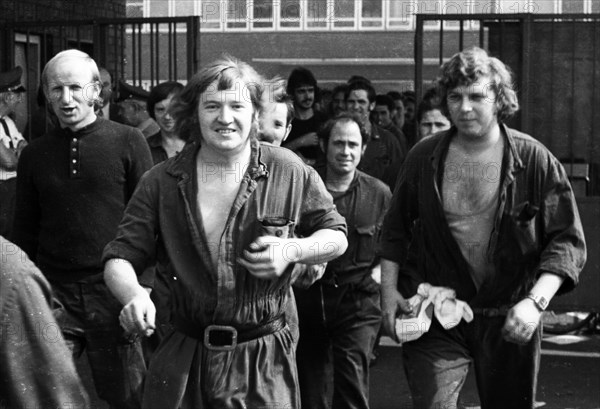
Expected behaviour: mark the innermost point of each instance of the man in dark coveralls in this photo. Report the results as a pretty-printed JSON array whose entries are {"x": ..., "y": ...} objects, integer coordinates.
[
  {"x": 225, "y": 211},
  {"x": 488, "y": 214}
]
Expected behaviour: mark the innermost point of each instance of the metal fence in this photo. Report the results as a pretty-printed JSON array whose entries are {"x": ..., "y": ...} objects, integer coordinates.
[{"x": 141, "y": 51}]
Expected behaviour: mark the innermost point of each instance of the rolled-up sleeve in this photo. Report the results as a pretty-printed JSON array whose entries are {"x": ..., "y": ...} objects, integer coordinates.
[
  {"x": 317, "y": 210},
  {"x": 564, "y": 251}
]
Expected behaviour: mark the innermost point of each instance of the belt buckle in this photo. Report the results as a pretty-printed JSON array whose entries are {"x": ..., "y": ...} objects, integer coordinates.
[{"x": 224, "y": 329}]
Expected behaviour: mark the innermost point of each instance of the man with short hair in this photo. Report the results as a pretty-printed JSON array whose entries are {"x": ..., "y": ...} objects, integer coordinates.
[
  {"x": 399, "y": 106},
  {"x": 277, "y": 113},
  {"x": 133, "y": 111},
  {"x": 383, "y": 116},
  {"x": 11, "y": 145},
  {"x": 484, "y": 215},
  {"x": 72, "y": 187},
  {"x": 302, "y": 87},
  {"x": 340, "y": 314},
  {"x": 383, "y": 149}
]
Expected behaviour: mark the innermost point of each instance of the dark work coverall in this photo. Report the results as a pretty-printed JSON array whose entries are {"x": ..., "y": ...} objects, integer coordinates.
[{"x": 340, "y": 314}]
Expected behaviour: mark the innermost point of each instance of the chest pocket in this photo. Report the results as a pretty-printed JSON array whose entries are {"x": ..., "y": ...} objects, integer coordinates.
[
  {"x": 365, "y": 248},
  {"x": 524, "y": 220},
  {"x": 276, "y": 226}
]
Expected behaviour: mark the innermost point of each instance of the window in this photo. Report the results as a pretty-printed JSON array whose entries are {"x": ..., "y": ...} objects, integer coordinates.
[
  {"x": 316, "y": 13},
  {"x": 134, "y": 9},
  {"x": 158, "y": 8},
  {"x": 371, "y": 14},
  {"x": 236, "y": 15},
  {"x": 344, "y": 14},
  {"x": 184, "y": 8},
  {"x": 210, "y": 14},
  {"x": 401, "y": 13},
  {"x": 572, "y": 6},
  {"x": 289, "y": 14},
  {"x": 262, "y": 14}
]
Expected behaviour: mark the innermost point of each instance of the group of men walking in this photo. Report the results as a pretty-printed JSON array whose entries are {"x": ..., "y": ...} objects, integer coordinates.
[{"x": 268, "y": 263}]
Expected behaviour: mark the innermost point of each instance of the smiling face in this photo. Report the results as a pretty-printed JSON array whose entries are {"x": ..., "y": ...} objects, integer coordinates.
[
  {"x": 344, "y": 148},
  {"x": 162, "y": 116},
  {"x": 226, "y": 118},
  {"x": 472, "y": 108},
  {"x": 71, "y": 92},
  {"x": 358, "y": 103}
]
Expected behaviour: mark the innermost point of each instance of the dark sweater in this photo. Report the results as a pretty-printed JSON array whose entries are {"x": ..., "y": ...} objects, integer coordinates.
[{"x": 71, "y": 193}]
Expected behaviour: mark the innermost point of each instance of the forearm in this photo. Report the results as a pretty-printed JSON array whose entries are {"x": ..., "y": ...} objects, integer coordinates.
[
  {"x": 389, "y": 275},
  {"x": 547, "y": 285},
  {"x": 322, "y": 246},
  {"x": 121, "y": 279},
  {"x": 8, "y": 158}
]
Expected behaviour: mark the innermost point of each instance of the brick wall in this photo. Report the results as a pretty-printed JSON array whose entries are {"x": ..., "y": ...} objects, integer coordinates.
[{"x": 32, "y": 10}]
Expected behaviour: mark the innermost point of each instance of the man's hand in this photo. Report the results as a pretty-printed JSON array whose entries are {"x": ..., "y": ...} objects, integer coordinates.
[
  {"x": 521, "y": 322},
  {"x": 267, "y": 257},
  {"x": 392, "y": 305},
  {"x": 138, "y": 316},
  {"x": 304, "y": 275}
]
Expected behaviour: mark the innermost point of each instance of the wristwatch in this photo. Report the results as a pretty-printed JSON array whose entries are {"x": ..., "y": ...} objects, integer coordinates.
[{"x": 539, "y": 300}]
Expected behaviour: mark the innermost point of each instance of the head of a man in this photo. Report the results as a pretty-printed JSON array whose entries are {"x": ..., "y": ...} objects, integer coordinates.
[
  {"x": 107, "y": 85},
  {"x": 220, "y": 105},
  {"x": 360, "y": 99},
  {"x": 409, "y": 101},
  {"x": 11, "y": 90},
  {"x": 338, "y": 100},
  {"x": 430, "y": 117},
  {"x": 275, "y": 119},
  {"x": 343, "y": 139},
  {"x": 476, "y": 91},
  {"x": 159, "y": 104},
  {"x": 399, "y": 107},
  {"x": 71, "y": 82},
  {"x": 132, "y": 103},
  {"x": 302, "y": 87},
  {"x": 384, "y": 110}
]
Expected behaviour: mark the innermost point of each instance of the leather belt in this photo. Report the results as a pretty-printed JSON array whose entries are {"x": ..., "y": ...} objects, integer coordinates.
[
  {"x": 491, "y": 312},
  {"x": 226, "y": 337}
]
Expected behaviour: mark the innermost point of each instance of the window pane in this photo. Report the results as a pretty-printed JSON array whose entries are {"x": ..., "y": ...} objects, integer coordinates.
[
  {"x": 344, "y": 8},
  {"x": 402, "y": 12},
  {"x": 289, "y": 15},
  {"x": 236, "y": 14},
  {"x": 263, "y": 9},
  {"x": 210, "y": 14},
  {"x": 372, "y": 8},
  {"x": 135, "y": 10},
  {"x": 184, "y": 8},
  {"x": 431, "y": 7},
  {"x": 572, "y": 6},
  {"x": 159, "y": 8},
  {"x": 317, "y": 13},
  {"x": 595, "y": 6}
]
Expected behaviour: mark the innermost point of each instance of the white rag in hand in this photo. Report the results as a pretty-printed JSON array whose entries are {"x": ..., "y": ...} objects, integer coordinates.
[{"x": 430, "y": 300}]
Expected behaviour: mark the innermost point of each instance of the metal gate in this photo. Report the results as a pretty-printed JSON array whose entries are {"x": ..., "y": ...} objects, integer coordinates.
[{"x": 141, "y": 51}]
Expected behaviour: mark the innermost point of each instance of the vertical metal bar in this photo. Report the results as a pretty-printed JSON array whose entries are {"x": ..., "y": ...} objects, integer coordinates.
[
  {"x": 595, "y": 104},
  {"x": 552, "y": 54},
  {"x": 573, "y": 91},
  {"x": 419, "y": 58},
  {"x": 175, "y": 70},
  {"x": 193, "y": 31},
  {"x": 121, "y": 28},
  {"x": 481, "y": 34},
  {"x": 133, "y": 51},
  {"x": 525, "y": 74},
  {"x": 139, "y": 56},
  {"x": 172, "y": 53},
  {"x": 157, "y": 63},
  {"x": 461, "y": 34},
  {"x": 152, "y": 64},
  {"x": 441, "y": 44}
]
